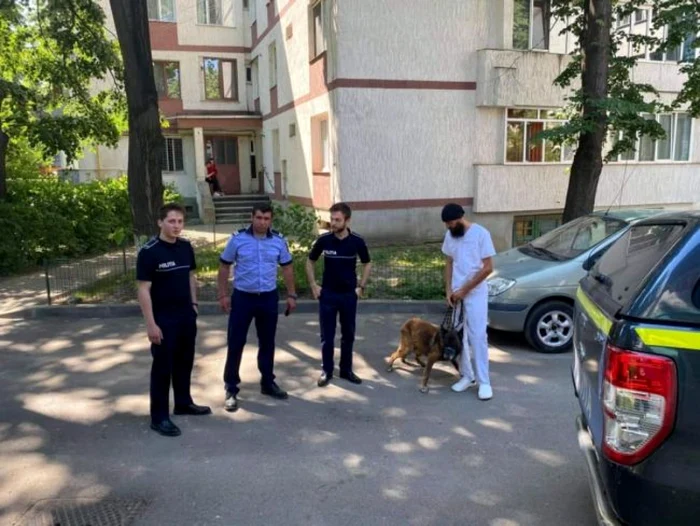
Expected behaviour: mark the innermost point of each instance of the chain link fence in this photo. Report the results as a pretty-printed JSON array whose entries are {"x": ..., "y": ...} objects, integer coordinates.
[{"x": 398, "y": 272}]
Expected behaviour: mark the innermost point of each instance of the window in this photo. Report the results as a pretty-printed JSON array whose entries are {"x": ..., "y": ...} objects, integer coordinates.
[
  {"x": 677, "y": 297},
  {"x": 675, "y": 147},
  {"x": 318, "y": 43},
  {"x": 273, "y": 64},
  {"x": 640, "y": 15},
  {"x": 172, "y": 156},
  {"x": 220, "y": 79},
  {"x": 643, "y": 26},
  {"x": 573, "y": 238},
  {"x": 249, "y": 74},
  {"x": 167, "y": 76},
  {"x": 522, "y": 146},
  {"x": 161, "y": 10},
  {"x": 292, "y": 130},
  {"x": 325, "y": 146},
  {"x": 245, "y": 4},
  {"x": 531, "y": 24},
  {"x": 209, "y": 12},
  {"x": 527, "y": 228},
  {"x": 623, "y": 268}
]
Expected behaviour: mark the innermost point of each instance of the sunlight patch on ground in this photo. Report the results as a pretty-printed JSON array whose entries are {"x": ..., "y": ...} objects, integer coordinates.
[
  {"x": 82, "y": 406},
  {"x": 549, "y": 458},
  {"x": 399, "y": 447},
  {"x": 496, "y": 423},
  {"x": 484, "y": 498},
  {"x": 462, "y": 431},
  {"x": 528, "y": 379}
]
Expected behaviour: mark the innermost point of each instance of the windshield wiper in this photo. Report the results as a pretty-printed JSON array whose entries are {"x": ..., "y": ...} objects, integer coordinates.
[{"x": 544, "y": 252}]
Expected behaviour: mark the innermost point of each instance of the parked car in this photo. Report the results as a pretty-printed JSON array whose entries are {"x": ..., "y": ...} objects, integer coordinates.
[
  {"x": 533, "y": 286},
  {"x": 636, "y": 373}
]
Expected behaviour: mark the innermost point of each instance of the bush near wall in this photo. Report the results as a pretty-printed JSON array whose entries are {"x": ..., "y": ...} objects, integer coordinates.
[{"x": 44, "y": 218}]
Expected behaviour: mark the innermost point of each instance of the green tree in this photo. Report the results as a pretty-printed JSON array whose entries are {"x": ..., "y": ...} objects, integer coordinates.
[
  {"x": 60, "y": 78},
  {"x": 608, "y": 102}
]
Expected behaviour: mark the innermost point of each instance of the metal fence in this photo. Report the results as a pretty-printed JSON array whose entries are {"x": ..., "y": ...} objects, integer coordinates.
[{"x": 399, "y": 272}]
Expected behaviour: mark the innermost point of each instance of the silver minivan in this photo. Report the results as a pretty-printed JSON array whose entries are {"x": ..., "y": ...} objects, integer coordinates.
[{"x": 533, "y": 286}]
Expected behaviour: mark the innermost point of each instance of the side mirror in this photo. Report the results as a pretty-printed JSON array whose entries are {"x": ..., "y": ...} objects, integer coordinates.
[{"x": 588, "y": 264}]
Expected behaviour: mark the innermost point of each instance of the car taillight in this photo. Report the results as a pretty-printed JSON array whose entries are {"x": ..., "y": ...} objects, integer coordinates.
[{"x": 639, "y": 403}]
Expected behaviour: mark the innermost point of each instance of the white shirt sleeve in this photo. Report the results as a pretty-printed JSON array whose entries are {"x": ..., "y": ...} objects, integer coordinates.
[
  {"x": 486, "y": 249},
  {"x": 447, "y": 246}
]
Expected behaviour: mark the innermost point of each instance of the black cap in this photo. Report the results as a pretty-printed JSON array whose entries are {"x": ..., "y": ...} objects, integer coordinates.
[{"x": 452, "y": 211}]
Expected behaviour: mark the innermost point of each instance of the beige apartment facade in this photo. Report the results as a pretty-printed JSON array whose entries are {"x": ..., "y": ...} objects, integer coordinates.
[{"x": 396, "y": 108}]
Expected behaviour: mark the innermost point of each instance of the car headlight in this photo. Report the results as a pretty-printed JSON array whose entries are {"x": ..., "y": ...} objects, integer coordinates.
[{"x": 499, "y": 285}]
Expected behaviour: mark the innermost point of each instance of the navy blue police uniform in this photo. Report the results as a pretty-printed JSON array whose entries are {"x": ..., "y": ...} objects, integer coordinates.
[
  {"x": 254, "y": 296},
  {"x": 167, "y": 266},
  {"x": 338, "y": 297}
]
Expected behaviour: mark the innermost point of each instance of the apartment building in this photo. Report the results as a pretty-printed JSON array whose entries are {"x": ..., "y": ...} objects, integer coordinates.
[{"x": 396, "y": 107}]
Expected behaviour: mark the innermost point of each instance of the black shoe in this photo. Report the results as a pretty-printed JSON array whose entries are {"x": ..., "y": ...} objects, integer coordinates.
[
  {"x": 274, "y": 391},
  {"x": 351, "y": 377},
  {"x": 231, "y": 403},
  {"x": 166, "y": 428},
  {"x": 324, "y": 379},
  {"x": 192, "y": 409}
]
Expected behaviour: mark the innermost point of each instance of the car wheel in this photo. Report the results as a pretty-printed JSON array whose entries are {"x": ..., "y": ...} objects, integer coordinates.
[{"x": 550, "y": 327}]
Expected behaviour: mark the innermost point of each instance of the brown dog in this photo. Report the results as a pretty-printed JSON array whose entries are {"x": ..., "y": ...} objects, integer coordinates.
[{"x": 427, "y": 339}]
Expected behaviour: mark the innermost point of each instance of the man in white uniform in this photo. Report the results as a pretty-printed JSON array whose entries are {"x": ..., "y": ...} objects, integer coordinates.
[{"x": 469, "y": 250}]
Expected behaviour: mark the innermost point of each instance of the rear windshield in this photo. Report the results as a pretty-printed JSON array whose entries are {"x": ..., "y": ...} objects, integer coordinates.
[{"x": 626, "y": 264}]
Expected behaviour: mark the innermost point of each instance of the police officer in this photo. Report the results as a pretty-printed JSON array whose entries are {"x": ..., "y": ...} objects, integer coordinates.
[
  {"x": 255, "y": 252},
  {"x": 340, "y": 291},
  {"x": 167, "y": 292}
]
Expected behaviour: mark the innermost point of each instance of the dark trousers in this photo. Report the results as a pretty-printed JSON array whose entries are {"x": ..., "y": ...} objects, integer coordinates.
[
  {"x": 244, "y": 307},
  {"x": 331, "y": 306},
  {"x": 214, "y": 185},
  {"x": 172, "y": 361}
]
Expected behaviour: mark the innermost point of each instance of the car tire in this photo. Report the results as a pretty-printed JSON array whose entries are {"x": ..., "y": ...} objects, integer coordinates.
[{"x": 550, "y": 327}]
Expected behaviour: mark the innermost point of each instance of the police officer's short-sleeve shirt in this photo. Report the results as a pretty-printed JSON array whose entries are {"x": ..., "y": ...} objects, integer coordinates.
[
  {"x": 167, "y": 266},
  {"x": 256, "y": 259},
  {"x": 340, "y": 260}
]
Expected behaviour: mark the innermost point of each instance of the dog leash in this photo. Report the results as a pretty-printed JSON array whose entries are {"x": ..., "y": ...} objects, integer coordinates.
[{"x": 454, "y": 317}]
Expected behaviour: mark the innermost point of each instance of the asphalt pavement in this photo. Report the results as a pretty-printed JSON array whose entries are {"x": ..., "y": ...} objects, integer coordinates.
[{"x": 74, "y": 432}]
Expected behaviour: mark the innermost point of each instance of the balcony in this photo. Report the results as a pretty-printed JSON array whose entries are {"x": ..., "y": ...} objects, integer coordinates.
[{"x": 507, "y": 78}]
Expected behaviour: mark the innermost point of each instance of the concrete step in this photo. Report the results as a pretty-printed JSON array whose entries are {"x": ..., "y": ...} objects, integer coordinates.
[
  {"x": 234, "y": 208},
  {"x": 252, "y": 198},
  {"x": 240, "y": 218}
]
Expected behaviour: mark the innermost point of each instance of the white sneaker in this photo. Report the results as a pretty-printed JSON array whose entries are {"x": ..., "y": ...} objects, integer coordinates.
[
  {"x": 464, "y": 384},
  {"x": 485, "y": 392}
]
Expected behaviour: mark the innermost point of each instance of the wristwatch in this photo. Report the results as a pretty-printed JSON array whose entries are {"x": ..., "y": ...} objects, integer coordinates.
[{"x": 293, "y": 296}]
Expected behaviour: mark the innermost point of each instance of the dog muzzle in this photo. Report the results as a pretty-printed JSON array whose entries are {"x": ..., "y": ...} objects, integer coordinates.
[{"x": 449, "y": 353}]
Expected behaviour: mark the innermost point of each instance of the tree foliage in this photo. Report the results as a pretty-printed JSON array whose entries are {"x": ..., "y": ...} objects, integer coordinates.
[
  {"x": 620, "y": 109},
  {"x": 60, "y": 77}
]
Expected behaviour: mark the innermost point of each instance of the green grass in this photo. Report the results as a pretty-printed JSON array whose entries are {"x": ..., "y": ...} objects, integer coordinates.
[{"x": 398, "y": 272}]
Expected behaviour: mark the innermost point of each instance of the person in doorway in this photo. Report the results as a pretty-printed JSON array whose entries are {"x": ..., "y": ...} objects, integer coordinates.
[
  {"x": 340, "y": 290},
  {"x": 255, "y": 252},
  {"x": 167, "y": 293},
  {"x": 469, "y": 250},
  {"x": 212, "y": 178}
]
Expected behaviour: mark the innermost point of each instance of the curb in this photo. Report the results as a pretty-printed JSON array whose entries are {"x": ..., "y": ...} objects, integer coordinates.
[{"x": 212, "y": 308}]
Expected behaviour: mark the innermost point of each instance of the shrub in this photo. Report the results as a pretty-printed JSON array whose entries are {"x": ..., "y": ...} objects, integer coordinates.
[{"x": 45, "y": 218}]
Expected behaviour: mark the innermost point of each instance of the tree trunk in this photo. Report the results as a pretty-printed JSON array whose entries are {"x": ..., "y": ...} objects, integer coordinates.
[
  {"x": 4, "y": 141},
  {"x": 588, "y": 161},
  {"x": 145, "y": 136}
]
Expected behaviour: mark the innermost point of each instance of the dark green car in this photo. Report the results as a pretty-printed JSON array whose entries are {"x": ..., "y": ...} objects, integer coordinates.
[{"x": 636, "y": 373}]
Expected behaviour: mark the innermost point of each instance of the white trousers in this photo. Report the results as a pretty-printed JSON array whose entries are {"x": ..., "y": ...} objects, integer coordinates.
[{"x": 475, "y": 341}]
